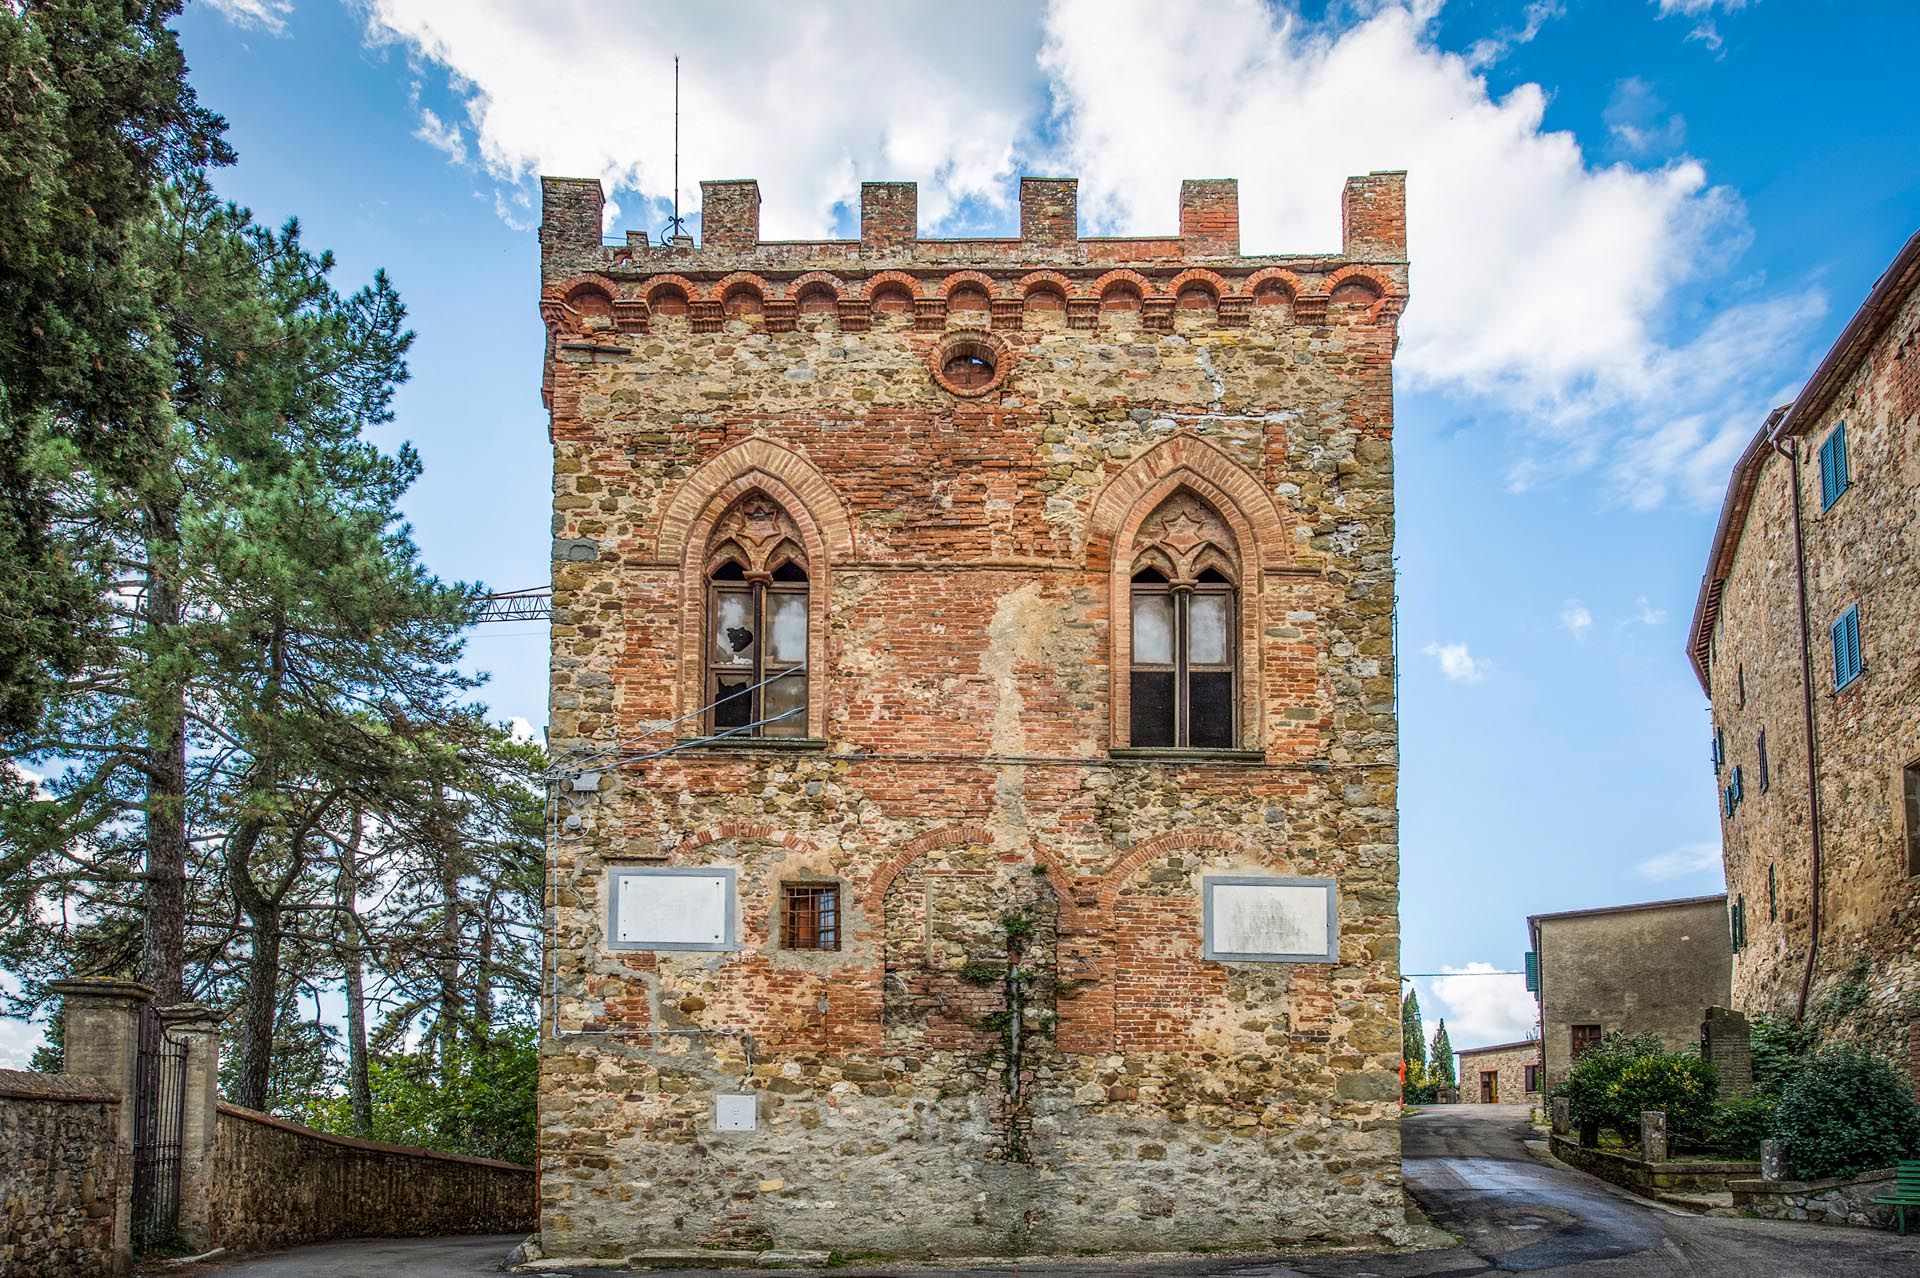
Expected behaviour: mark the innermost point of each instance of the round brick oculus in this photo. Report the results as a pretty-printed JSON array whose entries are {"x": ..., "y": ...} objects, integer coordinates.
[{"x": 969, "y": 364}]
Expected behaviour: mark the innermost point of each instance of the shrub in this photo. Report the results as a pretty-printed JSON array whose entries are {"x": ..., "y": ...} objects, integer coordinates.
[
  {"x": 1780, "y": 1047},
  {"x": 1846, "y": 1112},
  {"x": 1614, "y": 1083},
  {"x": 1738, "y": 1124}
]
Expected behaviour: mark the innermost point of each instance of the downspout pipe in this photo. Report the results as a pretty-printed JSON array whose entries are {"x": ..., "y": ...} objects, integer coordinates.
[{"x": 1789, "y": 449}]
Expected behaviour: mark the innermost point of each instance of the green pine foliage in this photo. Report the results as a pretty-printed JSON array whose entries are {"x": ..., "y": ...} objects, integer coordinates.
[
  {"x": 1413, "y": 1044},
  {"x": 257, "y": 776}
]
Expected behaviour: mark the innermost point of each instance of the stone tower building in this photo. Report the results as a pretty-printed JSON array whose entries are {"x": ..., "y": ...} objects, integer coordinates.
[
  {"x": 972, "y": 669},
  {"x": 1806, "y": 638}
]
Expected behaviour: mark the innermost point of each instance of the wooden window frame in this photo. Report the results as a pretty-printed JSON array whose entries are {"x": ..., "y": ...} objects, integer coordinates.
[
  {"x": 1530, "y": 1078},
  {"x": 1181, "y": 667},
  {"x": 760, "y": 590},
  {"x": 823, "y": 934},
  {"x": 1910, "y": 807},
  {"x": 1575, "y": 1035}
]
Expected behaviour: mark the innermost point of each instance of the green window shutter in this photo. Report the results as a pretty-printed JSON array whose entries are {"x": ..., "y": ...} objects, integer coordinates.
[
  {"x": 1533, "y": 971},
  {"x": 1833, "y": 466}
]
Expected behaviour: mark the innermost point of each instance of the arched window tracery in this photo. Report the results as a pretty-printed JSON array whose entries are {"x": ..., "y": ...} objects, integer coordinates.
[
  {"x": 1184, "y": 627},
  {"x": 757, "y": 622}
]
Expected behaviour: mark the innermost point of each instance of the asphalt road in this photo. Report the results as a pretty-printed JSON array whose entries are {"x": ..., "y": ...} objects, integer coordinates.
[{"x": 1466, "y": 1166}]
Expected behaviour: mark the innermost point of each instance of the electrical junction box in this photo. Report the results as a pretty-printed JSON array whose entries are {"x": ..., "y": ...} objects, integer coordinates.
[{"x": 736, "y": 1112}]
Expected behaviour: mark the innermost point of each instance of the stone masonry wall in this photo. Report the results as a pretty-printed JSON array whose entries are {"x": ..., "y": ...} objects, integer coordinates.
[
  {"x": 1644, "y": 969},
  {"x": 1509, "y": 1064},
  {"x": 58, "y": 1176},
  {"x": 1865, "y": 550},
  {"x": 1019, "y": 1045},
  {"x": 277, "y": 1184}
]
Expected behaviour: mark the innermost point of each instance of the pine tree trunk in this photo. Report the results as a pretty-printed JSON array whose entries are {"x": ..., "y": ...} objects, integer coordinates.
[
  {"x": 164, "y": 917},
  {"x": 359, "y": 1079},
  {"x": 262, "y": 995},
  {"x": 450, "y": 1000}
]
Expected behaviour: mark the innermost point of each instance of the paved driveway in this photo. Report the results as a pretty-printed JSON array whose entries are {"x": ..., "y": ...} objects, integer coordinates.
[{"x": 1465, "y": 1165}]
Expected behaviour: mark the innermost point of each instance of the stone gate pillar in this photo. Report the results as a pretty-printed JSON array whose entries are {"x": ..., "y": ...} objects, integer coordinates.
[
  {"x": 195, "y": 1025},
  {"x": 101, "y": 1040}
]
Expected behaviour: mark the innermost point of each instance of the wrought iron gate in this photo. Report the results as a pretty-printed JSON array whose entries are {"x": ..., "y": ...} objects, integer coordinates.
[{"x": 159, "y": 1110}]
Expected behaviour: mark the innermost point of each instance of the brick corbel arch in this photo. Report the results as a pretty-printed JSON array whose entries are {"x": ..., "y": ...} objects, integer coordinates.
[
  {"x": 726, "y": 283},
  {"x": 1220, "y": 285},
  {"x": 1035, "y": 279},
  {"x": 681, "y": 282},
  {"x": 947, "y": 836},
  {"x": 754, "y": 465},
  {"x": 1388, "y": 299},
  {"x": 1115, "y": 879},
  {"x": 878, "y": 278},
  {"x": 986, "y": 282},
  {"x": 1187, "y": 462},
  {"x": 1295, "y": 285},
  {"x": 834, "y": 284},
  {"x": 1140, "y": 282}
]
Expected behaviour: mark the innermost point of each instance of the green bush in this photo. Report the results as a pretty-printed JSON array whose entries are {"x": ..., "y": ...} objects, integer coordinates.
[
  {"x": 1613, "y": 1083},
  {"x": 1846, "y": 1112},
  {"x": 1738, "y": 1124},
  {"x": 1781, "y": 1046}
]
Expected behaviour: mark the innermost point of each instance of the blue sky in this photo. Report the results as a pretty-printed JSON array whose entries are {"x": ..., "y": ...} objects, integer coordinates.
[{"x": 1635, "y": 225}]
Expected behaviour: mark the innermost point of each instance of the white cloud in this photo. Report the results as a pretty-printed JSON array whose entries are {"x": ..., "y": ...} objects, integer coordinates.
[
  {"x": 1550, "y": 286},
  {"x": 1535, "y": 16},
  {"x": 1637, "y": 117},
  {"x": 1648, "y": 615},
  {"x": 522, "y": 729},
  {"x": 1542, "y": 282},
  {"x": 1577, "y": 620},
  {"x": 1481, "y": 1010},
  {"x": 811, "y": 99},
  {"x": 268, "y": 15},
  {"x": 1690, "y": 858},
  {"x": 442, "y": 137},
  {"x": 1702, "y": 11},
  {"x": 1458, "y": 664}
]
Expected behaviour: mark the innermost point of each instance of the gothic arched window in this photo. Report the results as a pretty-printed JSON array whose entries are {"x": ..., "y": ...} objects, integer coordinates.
[
  {"x": 1184, "y": 614},
  {"x": 756, "y": 646}
]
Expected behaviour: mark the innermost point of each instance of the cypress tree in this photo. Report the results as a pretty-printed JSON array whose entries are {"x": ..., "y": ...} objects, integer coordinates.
[
  {"x": 1440, "y": 1063},
  {"x": 1413, "y": 1038}
]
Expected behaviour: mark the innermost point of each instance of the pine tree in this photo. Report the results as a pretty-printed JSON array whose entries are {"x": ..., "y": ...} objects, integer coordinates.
[
  {"x": 1440, "y": 1062},
  {"x": 1413, "y": 1042},
  {"x": 95, "y": 115}
]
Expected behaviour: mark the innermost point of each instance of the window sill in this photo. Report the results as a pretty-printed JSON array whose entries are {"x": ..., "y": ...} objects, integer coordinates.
[
  {"x": 756, "y": 745},
  {"x": 1184, "y": 754}
]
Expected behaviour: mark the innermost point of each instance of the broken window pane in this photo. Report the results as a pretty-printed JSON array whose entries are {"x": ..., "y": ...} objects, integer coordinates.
[
  {"x": 1153, "y": 629},
  {"x": 1210, "y": 709},
  {"x": 786, "y": 629},
  {"x": 732, "y": 628},
  {"x": 733, "y": 706},
  {"x": 1152, "y": 710},
  {"x": 1207, "y": 630}
]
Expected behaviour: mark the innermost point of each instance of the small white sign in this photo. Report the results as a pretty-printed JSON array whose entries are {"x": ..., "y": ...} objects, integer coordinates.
[
  {"x": 735, "y": 1112},
  {"x": 1271, "y": 920},
  {"x": 662, "y": 908}
]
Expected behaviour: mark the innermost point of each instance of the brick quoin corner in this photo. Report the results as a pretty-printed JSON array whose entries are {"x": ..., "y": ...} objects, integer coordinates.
[{"x": 969, "y": 448}]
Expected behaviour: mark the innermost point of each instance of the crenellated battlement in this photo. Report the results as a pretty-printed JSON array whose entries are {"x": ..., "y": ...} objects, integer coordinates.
[
  {"x": 1373, "y": 218},
  {"x": 891, "y": 266}
]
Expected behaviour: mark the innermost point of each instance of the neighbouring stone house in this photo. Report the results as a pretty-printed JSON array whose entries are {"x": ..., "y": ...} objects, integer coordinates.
[
  {"x": 1806, "y": 639},
  {"x": 1646, "y": 969},
  {"x": 973, "y": 695},
  {"x": 1502, "y": 1074}
]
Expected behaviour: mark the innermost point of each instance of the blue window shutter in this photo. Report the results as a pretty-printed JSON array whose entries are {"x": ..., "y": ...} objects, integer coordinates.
[
  {"x": 1846, "y": 648},
  {"x": 1833, "y": 466},
  {"x": 1533, "y": 971},
  {"x": 1738, "y": 793}
]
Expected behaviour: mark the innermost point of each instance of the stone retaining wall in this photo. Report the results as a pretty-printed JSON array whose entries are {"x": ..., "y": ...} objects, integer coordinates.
[
  {"x": 278, "y": 1184},
  {"x": 1835, "y": 1201},
  {"x": 58, "y": 1175},
  {"x": 1643, "y": 1177}
]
